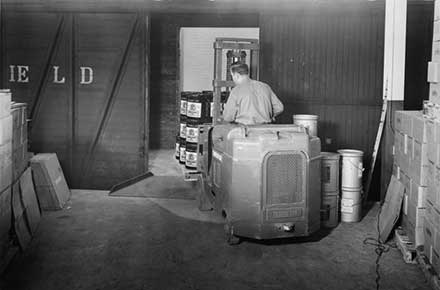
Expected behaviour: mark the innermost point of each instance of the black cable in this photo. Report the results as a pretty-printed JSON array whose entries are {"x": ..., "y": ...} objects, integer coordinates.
[{"x": 380, "y": 248}]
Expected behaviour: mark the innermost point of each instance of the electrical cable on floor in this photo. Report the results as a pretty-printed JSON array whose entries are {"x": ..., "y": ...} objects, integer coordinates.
[{"x": 381, "y": 248}]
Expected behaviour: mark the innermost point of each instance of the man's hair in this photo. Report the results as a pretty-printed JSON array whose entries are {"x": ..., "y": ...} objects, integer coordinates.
[{"x": 240, "y": 68}]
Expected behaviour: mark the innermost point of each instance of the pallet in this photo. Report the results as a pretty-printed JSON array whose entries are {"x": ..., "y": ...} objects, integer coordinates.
[
  {"x": 406, "y": 246},
  {"x": 429, "y": 272}
]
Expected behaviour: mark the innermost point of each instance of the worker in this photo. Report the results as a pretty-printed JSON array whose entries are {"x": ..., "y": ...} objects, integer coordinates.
[{"x": 251, "y": 102}]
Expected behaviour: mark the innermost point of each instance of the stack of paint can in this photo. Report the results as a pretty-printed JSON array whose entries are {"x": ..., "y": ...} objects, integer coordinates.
[
  {"x": 351, "y": 184},
  {"x": 198, "y": 113},
  {"x": 181, "y": 146},
  {"x": 329, "y": 189}
]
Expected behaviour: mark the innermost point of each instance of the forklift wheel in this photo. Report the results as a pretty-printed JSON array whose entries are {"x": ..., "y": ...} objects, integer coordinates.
[{"x": 230, "y": 237}]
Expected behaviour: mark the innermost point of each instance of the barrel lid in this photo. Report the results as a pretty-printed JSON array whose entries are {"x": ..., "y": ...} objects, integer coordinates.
[
  {"x": 351, "y": 152},
  {"x": 305, "y": 117},
  {"x": 330, "y": 155}
]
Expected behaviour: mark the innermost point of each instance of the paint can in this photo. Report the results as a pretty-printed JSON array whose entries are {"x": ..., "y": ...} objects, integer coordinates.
[
  {"x": 352, "y": 169},
  {"x": 191, "y": 155},
  {"x": 330, "y": 172},
  {"x": 182, "y": 157},
  {"x": 177, "y": 153},
  {"x": 310, "y": 122}
]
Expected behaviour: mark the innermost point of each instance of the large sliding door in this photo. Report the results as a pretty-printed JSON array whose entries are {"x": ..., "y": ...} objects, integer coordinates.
[{"x": 84, "y": 76}]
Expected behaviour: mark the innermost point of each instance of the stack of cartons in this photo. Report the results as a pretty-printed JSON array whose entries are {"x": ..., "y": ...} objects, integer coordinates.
[
  {"x": 5, "y": 171},
  {"x": 411, "y": 168},
  {"x": 19, "y": 140},
  {"x": 432, "y": 114}
]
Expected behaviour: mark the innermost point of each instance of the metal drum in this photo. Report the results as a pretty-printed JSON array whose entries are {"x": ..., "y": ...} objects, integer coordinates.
[
  {"x": 182, "y": 147},
  {"x": 191, "y": 156},
  {"x": 177, "y": 147},
  {"x": 199, "y": 107}
]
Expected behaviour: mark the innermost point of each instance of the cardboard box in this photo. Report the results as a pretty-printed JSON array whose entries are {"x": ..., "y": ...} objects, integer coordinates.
[
  {"x": 435, "y": 56},
  {"x": 431, "y": 131},
  {"x": 434, "y": 93},
  {"x": 418, "y": 195},
  {"x": 433, "y": 72},
  {"x": 50, "y": 184},
  {"x": 431, "y": 190},
  {"x": 429, "y": 211},
  {"x": 436, "y": 10},
  {"x": 433, "y": 153},
  {"x": 429, "y": 233},
  {"x": 5, "y": 103},
  {"x": 419, "y": 163},
  {"x": 5, "y": 129},
  {"x": 416, "y": 215},
  {"x": 398, "y": 121},
  {"x": 5, "y": 212},
  {"x": 409, "y": 146},
  {"x": 436, "y": 34},
  {"x": 419, "y": 128},
  {"x": 5, "y": 175}
]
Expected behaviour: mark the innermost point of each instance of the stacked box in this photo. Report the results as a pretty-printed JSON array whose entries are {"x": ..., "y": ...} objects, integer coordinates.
[
  {"x": 411, "y": 168},
  {"x": 5, "y": 171},
  {"x": 20, "y": 139},
  {"x": 431, "y": 109}
]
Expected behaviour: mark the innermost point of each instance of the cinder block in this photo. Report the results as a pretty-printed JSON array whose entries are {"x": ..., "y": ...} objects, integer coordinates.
[
  {"x": 429, "y": 234},
  {"x": 433, "y": 152},
  {"x": 431, "y": 131},
  {"x": 419, "y": 163}
]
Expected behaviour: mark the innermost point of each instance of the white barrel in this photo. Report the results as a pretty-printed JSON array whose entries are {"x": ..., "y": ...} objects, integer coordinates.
[
  {"x": 352, "y": 169},
  {"x": 330, "y": 172},
  {"x": 330, "y": 211},
  {"x": 310, "y": 122}
]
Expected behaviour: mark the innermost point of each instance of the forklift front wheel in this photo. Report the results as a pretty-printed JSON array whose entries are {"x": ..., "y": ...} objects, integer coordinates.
[{"x": 230, "y": 237}]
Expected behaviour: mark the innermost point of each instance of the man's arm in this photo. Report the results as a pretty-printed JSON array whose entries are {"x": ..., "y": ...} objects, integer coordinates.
[
  {"x": 277, "y": 106},
  {"x": 231, "y": 109}
]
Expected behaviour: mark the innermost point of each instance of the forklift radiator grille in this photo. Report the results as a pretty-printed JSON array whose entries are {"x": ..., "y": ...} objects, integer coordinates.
[{"x": 284, "y": 183}]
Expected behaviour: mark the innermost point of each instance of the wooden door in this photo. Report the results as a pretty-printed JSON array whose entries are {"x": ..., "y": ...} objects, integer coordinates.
[{"x": 85, "y": 78}]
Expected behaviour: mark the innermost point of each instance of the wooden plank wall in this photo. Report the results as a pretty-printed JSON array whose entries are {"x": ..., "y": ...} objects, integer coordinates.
[
  {"x": 328, "y": 63},
  {"x": 164, "y": 67}
]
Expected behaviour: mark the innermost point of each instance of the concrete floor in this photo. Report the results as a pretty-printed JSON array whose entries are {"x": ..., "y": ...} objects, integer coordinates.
[{"x": 102, "y": 242}]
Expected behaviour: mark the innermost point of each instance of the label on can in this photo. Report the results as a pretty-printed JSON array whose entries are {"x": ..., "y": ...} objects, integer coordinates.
[
  {"x": 183, "y": 130},
  {"x": 347, "y": 209},
  {"x": 177, "y": 150},
  {"x": 191, "y": 159},
  {"x": 182, "y": 154},
  {"x": 183, "y": 107},
  {"x": 192, "y": 134},
  {"x": 194, "y": 110},
  {"x": 347, "y": 202}
]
